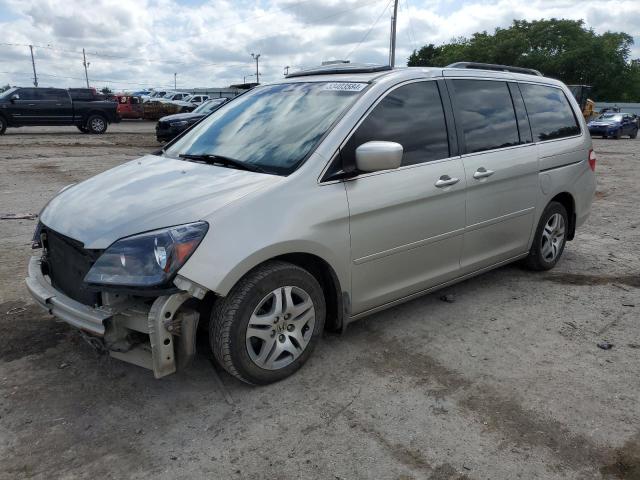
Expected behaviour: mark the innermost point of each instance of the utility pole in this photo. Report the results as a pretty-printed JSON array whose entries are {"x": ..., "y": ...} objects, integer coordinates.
[
  {"x": 394, "y": 21},
  {"x": 257, "y": 57},
  {"x": 175, "y": 81},
  {"x": 84, "y": 62},
  {"x": 33, "y": 63}
]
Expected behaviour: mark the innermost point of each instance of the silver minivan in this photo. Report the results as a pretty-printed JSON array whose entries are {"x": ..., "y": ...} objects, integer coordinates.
[{"x": 308, "y": 203}]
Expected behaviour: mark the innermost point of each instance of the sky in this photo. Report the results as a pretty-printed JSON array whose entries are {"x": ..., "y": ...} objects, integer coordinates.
[{"x": 132, "y": 44}]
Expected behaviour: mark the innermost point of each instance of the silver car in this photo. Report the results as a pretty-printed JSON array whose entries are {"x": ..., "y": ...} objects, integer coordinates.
[{"x": 311, "y": 202}]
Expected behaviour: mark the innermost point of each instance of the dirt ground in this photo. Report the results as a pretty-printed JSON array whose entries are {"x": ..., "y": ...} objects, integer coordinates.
[{"x": 506, "y": 382}]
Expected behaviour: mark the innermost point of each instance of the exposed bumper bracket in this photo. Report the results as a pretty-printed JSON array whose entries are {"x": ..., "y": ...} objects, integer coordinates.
[{"x": 63, "y": 307}]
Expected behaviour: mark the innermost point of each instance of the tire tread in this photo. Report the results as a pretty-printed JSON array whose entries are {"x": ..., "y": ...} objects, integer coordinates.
[{"x": 225, "y": 313}]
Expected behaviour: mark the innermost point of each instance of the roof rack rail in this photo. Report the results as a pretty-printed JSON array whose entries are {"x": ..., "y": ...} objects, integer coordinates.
[
  {"x": 340, "y": 68},
  {"x": 492, "y": 66}
]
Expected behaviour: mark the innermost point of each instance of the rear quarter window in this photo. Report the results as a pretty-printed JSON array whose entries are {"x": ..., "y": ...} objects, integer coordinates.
[{"x": 550, "y": 113}]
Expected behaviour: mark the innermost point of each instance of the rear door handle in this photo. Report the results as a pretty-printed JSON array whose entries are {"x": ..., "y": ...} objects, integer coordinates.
[
  {"x": 482, "y": 173},
  {"x": 446, "y": 181}
]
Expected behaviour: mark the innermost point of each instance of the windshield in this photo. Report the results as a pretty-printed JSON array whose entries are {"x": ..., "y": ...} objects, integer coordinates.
[
  {"x": 273, "y": 127},
  {"x": 611, "y": 116},
  {"x": 8, "y": 92}
]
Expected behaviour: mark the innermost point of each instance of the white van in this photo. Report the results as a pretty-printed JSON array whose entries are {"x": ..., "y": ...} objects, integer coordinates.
[{"x": 308, "y": 203}]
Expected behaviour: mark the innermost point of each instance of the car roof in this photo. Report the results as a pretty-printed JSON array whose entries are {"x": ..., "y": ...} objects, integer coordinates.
[{"x": 407, "y": 73}]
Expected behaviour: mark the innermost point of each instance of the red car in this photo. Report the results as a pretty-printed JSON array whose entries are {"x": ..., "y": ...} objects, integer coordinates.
[{"x": 129, "y": 106}]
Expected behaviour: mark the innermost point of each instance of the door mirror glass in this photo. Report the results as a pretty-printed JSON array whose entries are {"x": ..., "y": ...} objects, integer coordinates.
[{"x": 376, "y": 156}]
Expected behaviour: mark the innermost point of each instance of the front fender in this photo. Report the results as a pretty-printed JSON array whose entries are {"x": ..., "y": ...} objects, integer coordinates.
[{"x": 222, "y": 284}]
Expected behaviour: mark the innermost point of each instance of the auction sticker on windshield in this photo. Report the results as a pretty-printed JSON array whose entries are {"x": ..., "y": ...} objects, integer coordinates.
[{"x": 344, "y": 87}]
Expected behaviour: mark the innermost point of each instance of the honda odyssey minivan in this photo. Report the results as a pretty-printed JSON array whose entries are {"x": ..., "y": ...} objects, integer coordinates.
[{"x": 308, "y": 203}]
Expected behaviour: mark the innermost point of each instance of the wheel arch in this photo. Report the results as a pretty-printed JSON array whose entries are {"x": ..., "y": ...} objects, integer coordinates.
[
  {"x": 336, "y": 298},
  {"x": 569, "y": 203},
  {"x": 86, "y": 116}
]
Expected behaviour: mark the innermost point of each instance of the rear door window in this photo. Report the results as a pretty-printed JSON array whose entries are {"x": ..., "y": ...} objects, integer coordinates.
[
  {"x": 411, "y": 115},
  {"x": 52, "y": 94},
  {"x": 549, "y": 111},
  {"x": 485, "y": 112}
]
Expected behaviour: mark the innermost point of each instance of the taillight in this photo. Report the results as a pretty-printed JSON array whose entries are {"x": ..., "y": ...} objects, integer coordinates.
[{"x": 592, "y": 159}]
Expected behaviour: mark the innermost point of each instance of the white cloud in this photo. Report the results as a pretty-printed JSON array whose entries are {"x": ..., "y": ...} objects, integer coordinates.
[{"x": 209, "y": 43}]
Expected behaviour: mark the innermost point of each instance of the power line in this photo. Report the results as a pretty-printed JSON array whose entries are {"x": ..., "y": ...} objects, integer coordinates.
[
  {"x": 124, "y": 59},
  {"x": 82, "y": 78},
  {"x": 368, "y": 31},
  {"x": 413, "y": 32},
  {"x": 152, "y": 60}
]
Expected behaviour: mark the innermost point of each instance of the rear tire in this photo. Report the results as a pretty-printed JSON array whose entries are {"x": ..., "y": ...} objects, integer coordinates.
[
  {"x": 3, "y": 125},
  {"x": 550, "y": 238},
  {"x": 97, "y": 124},
  {"x": 634, "y": 134},
  {"x": 269, "y": 324}
]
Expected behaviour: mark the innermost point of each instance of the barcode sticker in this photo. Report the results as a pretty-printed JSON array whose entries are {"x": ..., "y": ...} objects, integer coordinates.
[{"x": 344, "y": 87}]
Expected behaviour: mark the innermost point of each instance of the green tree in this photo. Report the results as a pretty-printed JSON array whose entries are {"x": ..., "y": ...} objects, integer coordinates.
[
  {"x": 106, "y": 91},
  {"x": 563, "y": 49}
]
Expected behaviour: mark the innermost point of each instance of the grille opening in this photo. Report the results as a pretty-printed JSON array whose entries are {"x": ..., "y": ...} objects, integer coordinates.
[{"x": 66, "y": 263}]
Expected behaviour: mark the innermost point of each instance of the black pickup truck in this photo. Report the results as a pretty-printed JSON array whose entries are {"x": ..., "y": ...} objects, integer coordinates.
[{"x": 21, "y": 107}]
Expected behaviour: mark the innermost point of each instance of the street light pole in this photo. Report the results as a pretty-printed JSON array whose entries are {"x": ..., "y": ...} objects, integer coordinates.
[
  {"x": 394, "y": 21},
  {"x": 84, "y": 62},
  {"x": 33, "y": 63},
  {"x": 257, "y": 57}
]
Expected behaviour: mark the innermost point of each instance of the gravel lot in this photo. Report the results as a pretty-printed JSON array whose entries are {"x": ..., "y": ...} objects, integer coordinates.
[{"x": 505, "y": 382}]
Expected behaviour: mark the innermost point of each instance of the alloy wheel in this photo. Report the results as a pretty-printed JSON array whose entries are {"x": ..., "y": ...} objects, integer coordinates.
[
  {"x": 280, "y": 327},
  {"x": 553, "y": 237},
  {"x": 97, "y": 124}
]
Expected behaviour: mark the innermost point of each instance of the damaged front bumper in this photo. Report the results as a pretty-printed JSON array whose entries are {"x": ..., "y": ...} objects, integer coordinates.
[{"x": 158, "y": 334}]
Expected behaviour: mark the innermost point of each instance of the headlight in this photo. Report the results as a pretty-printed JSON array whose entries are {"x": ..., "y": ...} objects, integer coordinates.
[
  {"x": 148, "y": 259},
  {"x": 181, "y": 123}
]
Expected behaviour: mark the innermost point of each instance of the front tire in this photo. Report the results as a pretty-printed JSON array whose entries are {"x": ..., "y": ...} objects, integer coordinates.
[
  {"x": 3, "y": 125},
  {"x": 550, "y": 238},
  {"x": 97, "y": 124},
  {"x": 269, "y": 324},
  {"x": 634, "y": 134}
]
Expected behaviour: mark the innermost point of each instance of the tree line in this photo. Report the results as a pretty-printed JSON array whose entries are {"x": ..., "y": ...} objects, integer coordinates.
[{"x": 563, "y": 49}]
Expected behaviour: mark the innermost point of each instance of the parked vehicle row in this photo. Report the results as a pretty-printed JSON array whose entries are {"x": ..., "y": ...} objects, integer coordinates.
[
  {"x": 55, "y": 106},
  {"x": 312, "y": 202},
  {"x": 186, "y": 100}
]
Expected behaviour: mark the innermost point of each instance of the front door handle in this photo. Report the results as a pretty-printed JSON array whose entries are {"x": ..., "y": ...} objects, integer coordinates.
[
  {"x": 482, "y": 173},
  {"x": 446, "y": 181}
]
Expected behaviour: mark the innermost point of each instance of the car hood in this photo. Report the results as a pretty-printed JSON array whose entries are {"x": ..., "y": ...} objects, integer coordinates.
[
  {"x": 182, "y": 116},
  {"x": 145, "y": 194}
]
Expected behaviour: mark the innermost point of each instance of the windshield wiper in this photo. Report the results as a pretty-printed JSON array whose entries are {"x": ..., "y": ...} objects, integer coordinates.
[{"x": 222, "y": 160}]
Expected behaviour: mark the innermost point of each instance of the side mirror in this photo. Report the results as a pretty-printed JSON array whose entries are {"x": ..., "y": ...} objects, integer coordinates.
[
  {"x": 14, "y": 97},
  {"x": 376, "y": 156}
]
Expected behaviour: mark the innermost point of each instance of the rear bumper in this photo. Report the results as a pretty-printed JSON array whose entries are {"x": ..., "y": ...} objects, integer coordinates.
[{"x": 73, "y": 312}]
